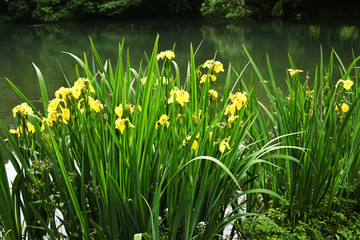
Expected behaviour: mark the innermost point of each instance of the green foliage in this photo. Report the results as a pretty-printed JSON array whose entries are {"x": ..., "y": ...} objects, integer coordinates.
[
  {"x": 222, "y": 8},
  {"x": 120, "y": 149},
  {"x": 274, "y": 8},
  {"x": 241, "y": 8},
  {"x": 329, "y": 132},
  {"x": 55, "y": 10},
  {"x": 117, "y": 7},
  {"x": 19, "y": 9},
  {"x": 123, "y": 152},
  {"x": 52, "y": 10},
  {"x": 343, "y": 224}
]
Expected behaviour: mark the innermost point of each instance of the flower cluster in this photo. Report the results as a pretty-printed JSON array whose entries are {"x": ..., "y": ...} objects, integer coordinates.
[
  {"x": 213, "y": 65},
  {"x": 78, "y": 102},
  {"x": 120, "y": 123},
  {"x": 59, "y": 108},
  {"x": 293, "y": 72},
  {"x": 168, "y": 54},
  {"x": 238, "y": 101},
  {"x": 207, "y": 76},
  {"x": 181, "y": 96},
  {"x": 347, "y": 84},
  {"x": 30, "y": 128},
  {"x": 80, "y": 86},
  {"x": 57, "y": 111},
  {"x": 213, "y": 94},
  {"x": 22, "y": 111},
  {"x": 164, "y": 119}
]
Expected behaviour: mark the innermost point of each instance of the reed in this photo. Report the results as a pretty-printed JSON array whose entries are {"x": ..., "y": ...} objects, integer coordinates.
[
  {"x": 125, "y": 153},
  {"x": 324, "y": 112},
  {"x": 150, "y": 154}
]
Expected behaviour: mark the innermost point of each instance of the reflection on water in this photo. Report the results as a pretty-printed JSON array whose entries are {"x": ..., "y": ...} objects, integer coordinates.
[{"x": 42, "y": 44}]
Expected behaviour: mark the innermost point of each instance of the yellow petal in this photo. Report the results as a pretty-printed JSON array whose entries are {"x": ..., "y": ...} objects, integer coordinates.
[
  {"x": 30, "y": 127},
  {"x": 76, "y": 92},
  {"x": 344, "y": 107},
  {"x": 119, "y": 111},
  {"x": 195, "y": 145},
  {"x": 348, "y": 84},
  {"x": 120, "y": 124},
  {"x": 294, "y": 71}
]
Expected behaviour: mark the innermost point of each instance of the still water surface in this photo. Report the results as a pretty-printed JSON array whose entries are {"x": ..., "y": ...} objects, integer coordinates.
[{"x": 20, "y": 45}]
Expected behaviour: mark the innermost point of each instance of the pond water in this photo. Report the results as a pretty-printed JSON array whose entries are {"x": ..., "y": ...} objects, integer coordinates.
[{"x": 22, "y": 45}]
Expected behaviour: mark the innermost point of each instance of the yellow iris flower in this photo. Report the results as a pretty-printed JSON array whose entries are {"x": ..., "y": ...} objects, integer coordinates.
[
  {"x": 64, "y": 92},
  {"x": 216, "y": 66},
  {"x": 130, "y": 108},
  {"x": 95, "y": 105},
  {"x": 54, "y": 104},
  {"x": 18, "y": 131},
  {"x": 181, "y": 96},
  {"x": 231, "y": 120},
  {"x": 30, "y": 127},
  {"x": 165, "y": 81},
  {"x": 65, "y": 115},
  {"x": 164, "y": 119},
  {"x": 119, "y": 111},
  {"x": 23, "y": 110},
  {"x": 165, "y": 54},
  {"x": 213, "y": 93},
  {"x": 52, "y": 117},
  {"x": 143, "y": 81},
  {"x": 293, "y": 72},
  {"x": 344, "y": 107},
  {"x": 81, "y": 84},
  {"x": 224, "y": 144},
  {"x": 120, "y": 124},
  {"x": 210, "y": 135},
  {"x": 76, "y": 92},
  {"x": 230, "y": 109},
  {"x": 239, "y": 99},
  {"x": 206, "y": 76},
  {"x": 195, "y": 145},
  {"x": 347, "y": 84}
]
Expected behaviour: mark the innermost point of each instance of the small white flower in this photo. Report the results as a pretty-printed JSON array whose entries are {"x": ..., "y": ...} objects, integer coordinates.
[
  {"x": 242, "y": 147},
  {"x": 202, "y": 224}
]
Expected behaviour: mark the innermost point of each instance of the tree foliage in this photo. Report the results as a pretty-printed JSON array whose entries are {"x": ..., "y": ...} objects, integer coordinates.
[
  {"x": 57, "y": 10},
  {"x": 241, "y": 8},
  {"x": 228, "y": 9},
  {"x": 111, "y": 8}
]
